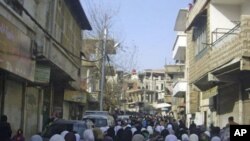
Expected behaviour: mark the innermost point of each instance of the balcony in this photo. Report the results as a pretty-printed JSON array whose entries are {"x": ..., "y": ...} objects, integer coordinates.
[
  {"x": 179, "y": 50},
  {"x": 175, "y": 69},
  {"x": 180, "y": 88},
  {"x": 230, "y": 53}
]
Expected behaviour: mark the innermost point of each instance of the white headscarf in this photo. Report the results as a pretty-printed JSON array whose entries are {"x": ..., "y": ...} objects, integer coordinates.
[
  {"x": 171, "y": 138},
  {"x": 138, "y": 137},
  {"x": 150, "y": 130},
  {"x": 158, "y": 128},
  {"x": 133, "y": 130},
  {"x": 63, "y": 133},
  {"x": 88, "y": 135},
  {"x": 77, "y": 137},
  {"x": 36, "y": 138},
  {"x": 117, "y": 128},
  {"x": 207, "y": 133},
  {"x": 56, "y": 137},
  {"x": 215, "y": 138},
  {"x": 184, "y": 137},
  {"x": 169, "y": 126},
  {"x": 193, "y": 137}
]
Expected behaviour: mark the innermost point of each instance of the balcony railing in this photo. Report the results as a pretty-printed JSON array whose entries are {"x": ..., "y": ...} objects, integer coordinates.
[{"x": 223, "y": 35}]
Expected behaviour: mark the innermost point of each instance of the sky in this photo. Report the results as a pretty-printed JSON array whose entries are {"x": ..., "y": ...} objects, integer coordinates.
[{"x": 148, "y": 25}]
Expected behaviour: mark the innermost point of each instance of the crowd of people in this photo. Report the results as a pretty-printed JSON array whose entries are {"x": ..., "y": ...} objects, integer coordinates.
[{"x": 136, "y": 128}]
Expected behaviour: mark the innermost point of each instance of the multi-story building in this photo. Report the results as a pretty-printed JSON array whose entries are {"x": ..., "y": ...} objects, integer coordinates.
[
  {"x": 218, "y": 55},
  {"x": 40, "y": 58},
  {"x": 146, "y": 92},
  {"x": 177, "y": 72}
]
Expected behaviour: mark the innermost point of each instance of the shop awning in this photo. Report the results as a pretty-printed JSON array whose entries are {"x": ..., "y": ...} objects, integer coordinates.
[{"x": 75, "y": 96}]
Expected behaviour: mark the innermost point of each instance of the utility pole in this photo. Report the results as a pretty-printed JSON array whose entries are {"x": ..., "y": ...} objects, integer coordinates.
[{"x": 103, "y": 67}]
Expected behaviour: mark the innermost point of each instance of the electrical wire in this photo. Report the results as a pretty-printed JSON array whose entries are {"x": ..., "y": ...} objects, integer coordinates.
[{"x": 51, "y": 37}]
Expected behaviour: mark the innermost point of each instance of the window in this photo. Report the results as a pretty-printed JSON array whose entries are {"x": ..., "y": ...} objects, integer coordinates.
[
  {"x": 200, "y": 34},
  {"x": 162, "y": 86},
  {"x": 157, "y": 88},
  {"x": 16, "y": 5}
]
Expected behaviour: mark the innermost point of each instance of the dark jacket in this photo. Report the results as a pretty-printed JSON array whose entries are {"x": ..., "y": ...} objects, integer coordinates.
[{"x": 5, "y": 131}]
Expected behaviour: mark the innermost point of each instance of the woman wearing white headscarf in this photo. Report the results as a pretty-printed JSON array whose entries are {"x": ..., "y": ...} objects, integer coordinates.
[
  {"x": 63, "y": 133},
  {"x": 193, "y": 137},
  {"x": 138, "y": 137},
  {"x": 184, "y": 137},
  {"x": 215, "y": 138},
  {"x": 133, "y": 129},
  {"x": 88, "y": 135},
  {"x": 171, "y": 138},
  {"x": 150, "y": 130},
  {"x": 77, "y": 137},
  {"x": 56, "y": 137},
  {"x": 36, "y": 138}
]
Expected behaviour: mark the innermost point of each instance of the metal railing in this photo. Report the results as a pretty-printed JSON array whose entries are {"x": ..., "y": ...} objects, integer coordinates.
[{"x": 226, "y": 34}]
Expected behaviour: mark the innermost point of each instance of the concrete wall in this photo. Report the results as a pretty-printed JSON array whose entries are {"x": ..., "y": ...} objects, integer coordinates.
[
  {"x": 13, "y": 104},
  {"x": 32, "y": 111},
  {"x": 66, "y": 110},
  {"x": 226, "y": 14},
  {"x": 228, "y": 104},
  {"x": 245, "y": 10}
]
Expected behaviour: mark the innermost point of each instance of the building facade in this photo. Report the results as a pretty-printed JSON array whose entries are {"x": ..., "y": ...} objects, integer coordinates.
[
  {"x": 38, "y": 41},
  {"x": 218, "y": 55}
]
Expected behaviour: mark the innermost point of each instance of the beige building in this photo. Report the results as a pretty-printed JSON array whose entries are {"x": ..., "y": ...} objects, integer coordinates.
[
  {"x": 218, "y": 61},
  {"x": 146, "y": 92},
  {"x": 40, "y": 61}
]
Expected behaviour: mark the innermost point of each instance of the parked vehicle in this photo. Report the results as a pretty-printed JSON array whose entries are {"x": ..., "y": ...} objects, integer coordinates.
[
  {"x": 69, "y": 125},
  {"x": 100, "y": 120},
  {"x": 96, "y": 113}
]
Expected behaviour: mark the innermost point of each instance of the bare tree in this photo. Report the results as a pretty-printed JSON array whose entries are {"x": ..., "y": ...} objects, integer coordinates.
[{"x": 101, "y": 18}]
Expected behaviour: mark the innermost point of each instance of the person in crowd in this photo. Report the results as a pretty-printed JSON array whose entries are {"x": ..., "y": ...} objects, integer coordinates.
[
  {"x": 145, "y": 134},
  {"x": 88, "y": 135},
  {"x": 231, "y": 121},
  {"x": 108, "y": 138},
  {"x": 98, "y": 134},
  {"x": 192, "y": 128},
  {"x": 215, "y": 132},
  {"x": 184, "y": 137},
  {"x": 70, "y": 137},
  {"x": 205, "y": 136},
  {"x": 50, "y": 120},
  {"x": 164, "y": 133},
  {"x": 63, "y": 133},
  {"x": 225, "y": 134},
  {"x": 119, "y": 135},
  {"x": 193, "y": 137},
  {"x": 5, "y": 129},
  {"x": 56, "y": 137},
  {"x": 215, "y": 138},
  {"x": 77, "y": 137},
  {"x": 138, "y": 137},
  {"x": 36, "y": 138},
  {"x": 111, "y": 133},
  {"x": 171, "y": 138},
  {"x": 19, "y": 136}
]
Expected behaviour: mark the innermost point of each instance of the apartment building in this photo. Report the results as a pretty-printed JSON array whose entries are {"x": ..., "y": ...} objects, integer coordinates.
[
  {"x": 147, "y": 92},
  {"x": 218, "y": 60},
  {"x": 40, "y": 61}
]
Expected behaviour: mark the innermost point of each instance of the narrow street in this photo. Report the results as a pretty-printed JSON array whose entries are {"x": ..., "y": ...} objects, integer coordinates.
[{"x": 84, "y": 70}]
